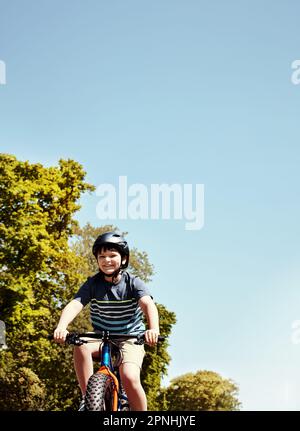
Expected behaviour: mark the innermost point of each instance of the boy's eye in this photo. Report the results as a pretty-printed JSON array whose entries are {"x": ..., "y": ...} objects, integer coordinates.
[{"x": 109, "y": 255}]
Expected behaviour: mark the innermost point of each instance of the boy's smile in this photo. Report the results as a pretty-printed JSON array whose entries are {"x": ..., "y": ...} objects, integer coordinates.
[{"x": 109, "y": 261}]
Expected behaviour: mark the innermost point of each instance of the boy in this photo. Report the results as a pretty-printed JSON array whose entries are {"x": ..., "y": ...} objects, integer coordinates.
[{"x": 118, "y": 301}]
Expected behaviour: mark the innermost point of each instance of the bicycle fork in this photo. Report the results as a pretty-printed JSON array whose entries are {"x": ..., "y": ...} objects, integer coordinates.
[
  {"x": 105, "y": 368},
  {"x": 120, "y": 400}
]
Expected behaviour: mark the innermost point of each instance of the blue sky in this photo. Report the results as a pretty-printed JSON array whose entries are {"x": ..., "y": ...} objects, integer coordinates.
[{"x": 180, "y": 92}]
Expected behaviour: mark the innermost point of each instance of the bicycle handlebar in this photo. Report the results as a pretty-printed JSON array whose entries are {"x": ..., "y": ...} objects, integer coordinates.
[{"x": 76, "y": 338}]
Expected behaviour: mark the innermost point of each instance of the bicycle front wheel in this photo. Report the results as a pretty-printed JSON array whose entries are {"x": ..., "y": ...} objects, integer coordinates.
[{"x": 99, "y": 393}]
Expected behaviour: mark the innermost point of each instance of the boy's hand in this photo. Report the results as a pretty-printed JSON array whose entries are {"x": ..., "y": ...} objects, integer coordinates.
[
  {"x": 60, "y": 334},
  {"x": 151, "y": 336}
]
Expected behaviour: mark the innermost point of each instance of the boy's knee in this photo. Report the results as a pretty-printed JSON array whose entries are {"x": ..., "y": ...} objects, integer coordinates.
[{"x": 130, "y": 374}]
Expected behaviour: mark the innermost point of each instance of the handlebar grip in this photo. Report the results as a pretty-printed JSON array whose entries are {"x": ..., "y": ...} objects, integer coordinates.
[
  {"x": 71, "y": 338},
  {"x": 141, "y": 339}
]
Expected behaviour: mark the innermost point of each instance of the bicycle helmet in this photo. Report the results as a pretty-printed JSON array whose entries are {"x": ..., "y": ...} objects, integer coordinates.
[{"x": 113, "y": 240}]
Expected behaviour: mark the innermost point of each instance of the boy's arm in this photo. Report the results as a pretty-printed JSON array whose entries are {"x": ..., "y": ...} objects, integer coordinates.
[
  {"x": 150, "y": 311},
  {"x": 67, "y": 316}
]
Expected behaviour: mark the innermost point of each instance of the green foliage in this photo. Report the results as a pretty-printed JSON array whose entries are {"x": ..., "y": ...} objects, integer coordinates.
[
  {"x": 38, "y": 270},
  {"x": 20, "y": 388},
  {"x": 203, "y": 390}
]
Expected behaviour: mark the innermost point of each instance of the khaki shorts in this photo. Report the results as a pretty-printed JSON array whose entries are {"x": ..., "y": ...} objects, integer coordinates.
[
  {"x": 128, "y": 353},
  {"x": 131, "y": 352}
]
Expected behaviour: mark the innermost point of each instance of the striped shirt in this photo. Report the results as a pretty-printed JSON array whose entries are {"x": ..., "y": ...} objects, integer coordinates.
[{"x": 114, "y": 307}]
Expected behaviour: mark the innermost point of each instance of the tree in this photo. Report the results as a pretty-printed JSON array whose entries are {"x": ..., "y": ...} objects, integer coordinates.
[
  {"x": 38, "y": 272},
  {"x": 203, "y": 390},
  {"x": 20, "y": 388}
]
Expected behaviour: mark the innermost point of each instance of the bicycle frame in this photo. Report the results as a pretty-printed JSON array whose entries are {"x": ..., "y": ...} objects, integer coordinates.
[{"x": 106, "y": 368}]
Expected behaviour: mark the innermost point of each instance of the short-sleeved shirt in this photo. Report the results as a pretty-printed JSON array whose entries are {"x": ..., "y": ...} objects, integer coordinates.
[{"x": 114, "y": 307}]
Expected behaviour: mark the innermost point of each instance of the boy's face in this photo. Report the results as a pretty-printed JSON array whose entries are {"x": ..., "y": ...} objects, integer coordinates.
[{"x": 109, "y": 261}]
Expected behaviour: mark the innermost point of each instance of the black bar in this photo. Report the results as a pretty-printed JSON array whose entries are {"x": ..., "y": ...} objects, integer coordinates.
[{"x": 152, "y": 421}]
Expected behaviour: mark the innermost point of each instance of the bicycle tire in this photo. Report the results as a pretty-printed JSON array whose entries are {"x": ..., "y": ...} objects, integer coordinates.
[{"x": 99, "y": 393}]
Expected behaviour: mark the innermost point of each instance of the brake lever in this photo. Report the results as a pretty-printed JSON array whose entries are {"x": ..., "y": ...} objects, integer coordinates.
[
  {"x": 75, "y": 340},
  {"x": 140, "y": 340}
]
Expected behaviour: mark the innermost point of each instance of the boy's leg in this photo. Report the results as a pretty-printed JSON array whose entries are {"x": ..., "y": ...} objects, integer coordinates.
[
  {"x": 130, "y": 376},
  {"x": 130, "y": 370},
  {"x": 83, "y": 363}
]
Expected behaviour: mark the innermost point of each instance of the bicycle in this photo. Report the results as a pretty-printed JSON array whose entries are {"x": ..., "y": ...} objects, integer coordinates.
[{"x": 104, "y": 389}]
